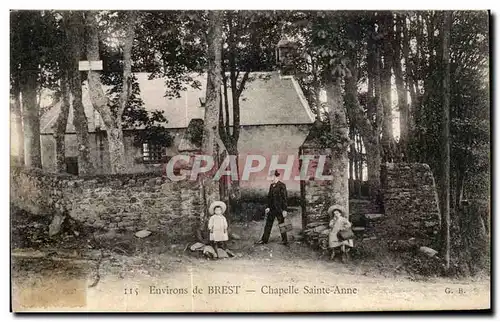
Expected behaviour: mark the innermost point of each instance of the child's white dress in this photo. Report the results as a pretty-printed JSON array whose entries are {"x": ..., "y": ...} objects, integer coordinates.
[
  {"x": 217, "y": 225},
  {"x": 336, "y": 226}
]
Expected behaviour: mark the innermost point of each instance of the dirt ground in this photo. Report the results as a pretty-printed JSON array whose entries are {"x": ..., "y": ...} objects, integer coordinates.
[{"x": 131, "y": 274}]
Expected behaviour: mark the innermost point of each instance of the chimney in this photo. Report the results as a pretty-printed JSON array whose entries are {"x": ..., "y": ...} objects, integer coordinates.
[{"x": 286, "y": 54}]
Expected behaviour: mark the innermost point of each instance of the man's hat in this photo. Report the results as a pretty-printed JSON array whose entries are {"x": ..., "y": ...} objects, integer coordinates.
[
  {"x": 336, "y": 207},
  {"x": 215, "y": 204},
  {"x": 276, "y": 173}
]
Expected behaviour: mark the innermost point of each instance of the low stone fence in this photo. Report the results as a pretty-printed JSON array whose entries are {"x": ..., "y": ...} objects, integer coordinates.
[
  {"x": 410, "y": 206},
  {"x": 410, "y": 202},
  {"x": 127, "y": 202}
]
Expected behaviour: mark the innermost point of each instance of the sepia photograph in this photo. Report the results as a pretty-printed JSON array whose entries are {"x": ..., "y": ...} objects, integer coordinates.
[{"x": 250, "y": 160}]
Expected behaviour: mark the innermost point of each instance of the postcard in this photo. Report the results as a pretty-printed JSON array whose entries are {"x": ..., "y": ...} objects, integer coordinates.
[{"x": 250, "y": 161}]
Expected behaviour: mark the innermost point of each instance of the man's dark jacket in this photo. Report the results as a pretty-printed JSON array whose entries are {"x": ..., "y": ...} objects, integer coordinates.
[{"x": 277, "y": 197}]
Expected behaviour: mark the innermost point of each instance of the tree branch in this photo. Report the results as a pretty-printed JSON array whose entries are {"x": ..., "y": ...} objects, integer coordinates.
[
  {"x": 354, "y": 109},
  {"x": 99, "y": 100},
  {"x": 241, "y": 88},
  {"x": 127, "y": 63},
  {"x": 226, "y": 106}
]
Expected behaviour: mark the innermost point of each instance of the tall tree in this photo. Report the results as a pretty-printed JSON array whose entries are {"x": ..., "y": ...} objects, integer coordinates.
[
  {"x": 330, "y": 41},
  {"x": 368, "y": 118},
  {"x": 410, "y": 80},
  {"x": 213, "y": 97},
  {"x": 249, "y": 42},
  {"x": 400, "y": 83},
  {"x": 444, "y": 181},
  {"x": 340, "y": 134},
  {"x": 230, "y": 135},
  {"x": 64, "y": 93},
  {"x": 469, "y": 100},
  {"x": 34, "y": 39},
  {"x": 111, "y": 114},
  {"x": 61, "y": 124},
  {"x": 386, "y": 34},
  {"x": 76, "y": 40},
  {"x": 17, "y": 115}
]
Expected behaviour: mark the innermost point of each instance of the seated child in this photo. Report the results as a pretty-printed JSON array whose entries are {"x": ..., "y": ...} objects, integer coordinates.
[
  {"x": 338, "y": 223},
  {"x": 217, "y": 225}
]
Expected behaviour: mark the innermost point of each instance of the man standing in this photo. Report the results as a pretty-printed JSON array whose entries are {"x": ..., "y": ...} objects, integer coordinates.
[{"x": 276, "y": 207}]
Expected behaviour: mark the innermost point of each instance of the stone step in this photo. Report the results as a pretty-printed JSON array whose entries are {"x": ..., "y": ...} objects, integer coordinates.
[{"x": 373, "y": 216}]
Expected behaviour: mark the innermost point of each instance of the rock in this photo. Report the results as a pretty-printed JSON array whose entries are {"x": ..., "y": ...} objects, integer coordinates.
[
  {"x": 427, "y": 251},
  {"x": 142, "y": 233},
  {"x": 108, "y": 235},
  {"x": 235, "y": 236},
  {"x": 197, "y": 246},
  {"x": 320, "y": 228},
  {"x": 55, "y": 225},
  {"x": 230, "y": 253},
  {"x": 222, "y": 253},
  {"x": 209, "y": 251},
  {"x": 314, "y": 224}
]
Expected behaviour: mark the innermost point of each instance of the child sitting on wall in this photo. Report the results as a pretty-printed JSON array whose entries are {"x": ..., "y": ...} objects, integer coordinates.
[{"x": 338, "y": 223}]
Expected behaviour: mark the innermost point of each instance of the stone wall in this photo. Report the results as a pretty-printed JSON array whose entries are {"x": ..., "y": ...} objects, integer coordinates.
[
  {"x": 263, "y": 140},
  {"x": 99, "y": 151},
  {"x": 410, "y": 201},
  {"x": 315, "y": 193},
  {"x": 127, "y": 202}
]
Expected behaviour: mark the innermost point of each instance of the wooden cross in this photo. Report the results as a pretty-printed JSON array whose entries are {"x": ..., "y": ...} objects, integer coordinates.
[{"x": 90, "y": 65}]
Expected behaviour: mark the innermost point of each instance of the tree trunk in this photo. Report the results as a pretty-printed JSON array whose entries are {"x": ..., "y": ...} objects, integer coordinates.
[
  {"x": 387, "y": 131},
  {"x": 459, "y": 189},
  {"x": 112, "y": 123},
  {"x": 415, "y": 91},
  {"x": 17, "y": 114},
  {"x": 409, "y": 79},
  {"x": 235, "y": 191},
  {"x": 400, "y": 86},
  {"x": 61, "y": 124},
  {"x": 213, "y": 97},
  {"x": 370, "y": 64},
  {"x": 352, "y": 159},
  {"x": 116, "y": 149},
  {"x": 229, "y": 138},
  {"x": 359, "y": 165},
  {"x": 445, "y": 138},
  {"x": 31, "y": 120},
  {"x": 369, "y": 131},
  {"x": 373, "y": 162},
  {"x": 340, "y": 131},
  {"x": 80, "y": 122}
]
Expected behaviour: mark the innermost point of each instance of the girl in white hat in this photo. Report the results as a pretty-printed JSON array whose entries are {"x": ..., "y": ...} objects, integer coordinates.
[{"x": 217, "y": 225}]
